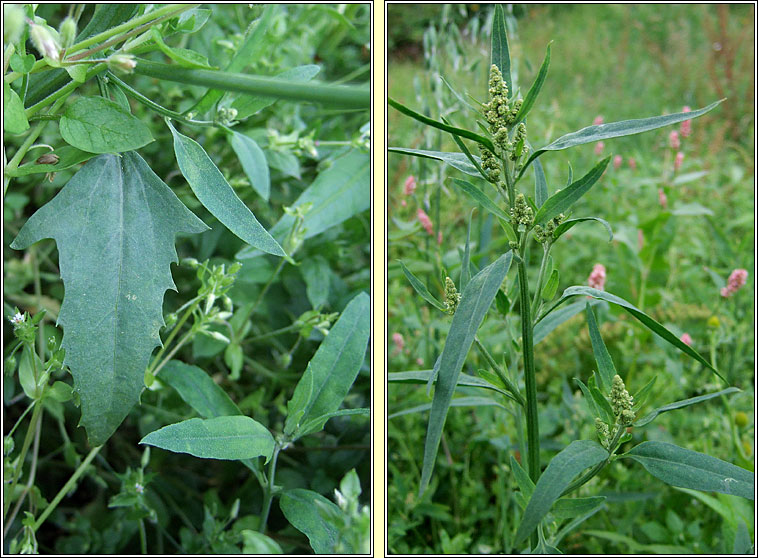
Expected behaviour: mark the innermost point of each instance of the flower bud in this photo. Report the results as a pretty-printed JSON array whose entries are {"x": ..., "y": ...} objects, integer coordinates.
[
  {"x": 124, "y": 63},
  {"x": 13, "y": 23},
  {"x": 740, "y": 419},
  {"x": 452, "y": 296},
  {"x": 67, "y": 32},
  {"x": 45, "y": 43}
]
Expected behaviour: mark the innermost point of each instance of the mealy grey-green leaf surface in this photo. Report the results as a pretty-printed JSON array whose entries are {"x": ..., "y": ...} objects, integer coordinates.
[
  {"x": 333, "y": 369},
  {"x": 300, "y": 509},
  {"x": 253, "y": 162},
  {"x": 114, "y": 223},
  {"x": 198, "y": 390},
  {"x": 571, "y": 461},
  {"x": 99, "y": 125},
  {"x": 235, "y": 437},
  {"x": 218, "y": 197},
  {"x": 456, "y": 160},
  {"x": 475, "y": 301},
  {"x": 689, "y": 469}
]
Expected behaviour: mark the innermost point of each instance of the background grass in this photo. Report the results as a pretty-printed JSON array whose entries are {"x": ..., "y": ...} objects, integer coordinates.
[{"x": 618, "y": 62}]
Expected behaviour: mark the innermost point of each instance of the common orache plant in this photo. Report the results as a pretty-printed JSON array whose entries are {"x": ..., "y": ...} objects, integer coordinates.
[{"x": 530, "y": 216}]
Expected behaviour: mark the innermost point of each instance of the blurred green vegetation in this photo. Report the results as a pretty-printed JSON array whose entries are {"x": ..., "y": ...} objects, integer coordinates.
[{"x": 617, "y": 62}]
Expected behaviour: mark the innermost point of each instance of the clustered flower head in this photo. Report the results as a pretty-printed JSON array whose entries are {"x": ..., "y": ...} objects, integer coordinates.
[
  {"x": 621, "y": 401},
  {"x": 678, "y": 161},
  {"x": 410, "y": 185},
  {"x": 17, "y": 319},
  {"x": 521, "y": 214},
  {"x": 501, "y": 116},
  {"x": 686, "y": 339},
  {"x": 490, "y": 164},
  {"x": 599, "y": 146},
  {"x": 425, "y": 221},
  {"x": 397, "y": 339},
  {"x": 674, "y": 141},
  {"x": 736, "y": 280},
  {"x": 662, "y": 199},
  {"x": 452, "y": 296},
  {"x": 617, "y": 160},
  {"x": 596, "y": 280},
  {"x": 545, "y": 234},
  {"x": 603, "y": 432}
]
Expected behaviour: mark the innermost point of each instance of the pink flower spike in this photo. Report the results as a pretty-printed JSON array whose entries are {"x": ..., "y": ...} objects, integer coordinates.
[
  {"x": 599, "y": 146},
  {"x": 425, "y": 221},
  {"x": 632, "y": 163},
  {"x": 674, "y": 140},
  {"x": 685, "y": 127},
  {"x": 736, "y": 281},
  {"x": 617, "y": 160},
  {"x": 420, "y": 361},
  {"x": 598, "y": 120},
  {"x": 686, "y": 339},
  {"x": 662, "y": 198},
  {"x": 399, "y": 342},
  {"x": 410, "y": 185},
  {"x": 640, "y": 239},
  {"x": 439, "y": 238},
  {"x": 596, "y": 280},
  {"x": 678, "y": 161},
  {"x": 403, "y": 203}
]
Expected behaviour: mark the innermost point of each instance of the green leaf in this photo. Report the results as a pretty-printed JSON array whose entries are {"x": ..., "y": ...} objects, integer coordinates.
[
  {"x": 552, "y": 320},
  {"x": 198, "y": 390},
  {"x": 644, "y": 319},
  {"x": 231, "y": 437},
  {"x": 249, "y": 51},
  {"x": 689, "y": 469},
  {"x": 606, "y": 369},
  {"x": 300, "y": 508},
  {"x": 500, "y": 55},
  {"x": 114, "y": 223},
  {"x": 475, "y": 301},
  {"x": 523, "y": 481},
  {"x": 422, "y": 377},
  {"x": 468, "y": 401},
  {"x": 189, "y": 21},
  {"x": 534, "y": 90},
  {"x": 566, "y": 508},
  {"x": 234, "y": 359},
  {"x": 640, "y": 397},
  {"x": 99, "y": 125},
  {"x": 338, "y": 193},
  {"x": 650, "y": 417},
  {"x": 254, "y": 542},
  {"x": 466, "y": 260},
  {"x": 561, "y": 201},
  {"x": 551, "y": 286},
  {"x": 465, "y": 150},
  {"x": 14, "y": 117},
  {"x": 441, "y": 126},
  {"x": 568, "y": 225},
  {"x": 333, "y": 369},
  {"x": 540, "y": 185},
  {"x": 480, "y": 198},
  {"x": 571, "y": 461},
  {"x": 456, "y": 160},
  {"x": 421, "y": 289},
  {"x": 592, "y": 134},
  {"x": 253, "y": 162},
  {"x": 77, "y": 72},
  {"x": 316, "y": 274},
  {"x": 593, "y": 408},
  {"x": 28, "y": 364},
  {"x": 22, "y": 64},
  {"x": 67, "y": 157},
  {"x": 317, "y": 424},
  {"x": 248, "y": 105},
  {"x": 182, "y": 56},
  {"x": 218, "y": 197}
]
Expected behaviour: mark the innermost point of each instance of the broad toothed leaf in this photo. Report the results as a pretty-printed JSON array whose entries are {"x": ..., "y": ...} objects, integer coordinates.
[{"x": 114, "y": 223}]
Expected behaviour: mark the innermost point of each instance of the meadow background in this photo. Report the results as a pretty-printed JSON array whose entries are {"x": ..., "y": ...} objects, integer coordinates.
[{"x": 679, "y": 231}]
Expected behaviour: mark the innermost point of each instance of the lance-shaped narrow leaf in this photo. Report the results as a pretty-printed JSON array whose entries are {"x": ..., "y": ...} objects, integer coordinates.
[
  {"x": 500, "y": 54},
  {"x": 606, "y": 369},
  {"x": 534, "y": 90},
  {"x": 599, "y": 132},
  {"x": 540, "y": 184},
  {"x": 576, "y": 457},
  {"x": 67, "y": 157},
  {"x": 689, "y": 469},
  {"x": 561, "y": 201},
  {"x": 480, "y": 198},
  {"x": 651, "y": 416},
  {"x": 332, "y": 370},
  {"x": 475, "y": 301},
  {"x": 218, "y": 197},
  {"x": 421, "y": 289},
  {"x": 441, "y": 125},
  {"x": 456, "y": 160},
  {"x": 198, "y": 390},
  {"x": 644, "y": 319},
  {"x": 308, "y": 512},
  {"x": 253, "y": 162},
  {"x": 114, "y": 224},
  {"x": 568, "y": 225},
  {"x": 235, "y": 437}
]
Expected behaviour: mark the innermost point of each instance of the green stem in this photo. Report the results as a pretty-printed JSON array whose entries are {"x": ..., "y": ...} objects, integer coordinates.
[
  {"x": 336, "y": 95},
  {"x": 142, "y": 537},
  {"x": 155, "y": 106},
  {"x": 62, "y": 93},
  {"x": 260, "y": 297},
  {"x": 269, "y": 489},
  {"x": 500, "y": 373},
  {"x": 179, "y": 345},
  {"x": 171, "y": 336},
  {"x": 599, "y": 467},
  {"x": 36, "y": 414},
  {"x": 66, "y": 488},
  {"x": 286, "y": 329}
]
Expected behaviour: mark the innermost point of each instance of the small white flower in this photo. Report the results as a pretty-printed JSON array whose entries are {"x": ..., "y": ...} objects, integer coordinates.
[
  {"x": 17, "y": 319},
  {"x": 139, "y": 488}
]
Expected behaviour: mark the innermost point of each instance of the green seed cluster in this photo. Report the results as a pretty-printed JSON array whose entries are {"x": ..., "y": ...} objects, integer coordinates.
[
  {"x": 545, "y": 234},
  {"x": 452, "y": 296},
  {"x": 603, "y": 432},
  {"x": 490, "y": 164},
  {"x": 621, "y": 401},
  {"x": 521, "y": 213}
]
